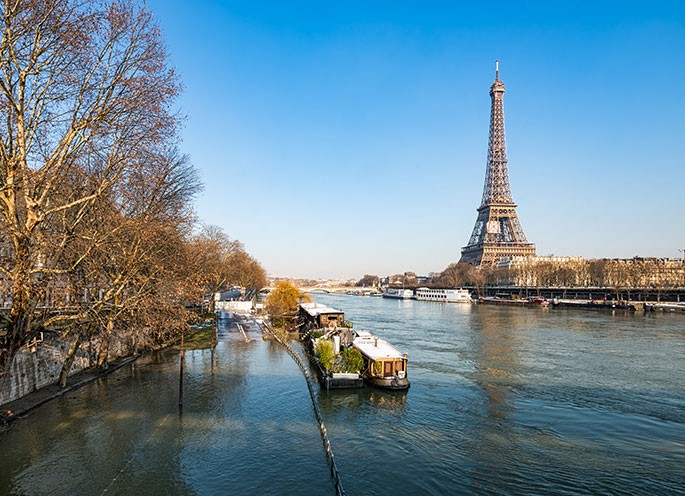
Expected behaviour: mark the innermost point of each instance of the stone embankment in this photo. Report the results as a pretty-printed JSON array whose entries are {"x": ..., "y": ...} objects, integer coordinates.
[
  {"x": 38, "y": 364},
  {"x": 19, "y": 407},
  {"x": 35, "y": 371}
]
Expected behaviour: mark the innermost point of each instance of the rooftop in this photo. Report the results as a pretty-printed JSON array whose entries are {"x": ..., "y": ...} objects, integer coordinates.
[
  {"x": 375, "y": 347},
  {"x": 315, "y": 309}
]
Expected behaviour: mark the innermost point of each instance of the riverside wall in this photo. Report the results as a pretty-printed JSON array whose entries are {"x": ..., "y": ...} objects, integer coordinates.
[{"x": 39, "y": 365}]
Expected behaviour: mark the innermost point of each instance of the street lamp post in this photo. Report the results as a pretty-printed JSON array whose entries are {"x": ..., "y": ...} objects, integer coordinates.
[{"x": 681, "y": 250}]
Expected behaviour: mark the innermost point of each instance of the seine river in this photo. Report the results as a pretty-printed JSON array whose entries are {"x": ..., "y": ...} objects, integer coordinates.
[{"x": 503, "y": 401}]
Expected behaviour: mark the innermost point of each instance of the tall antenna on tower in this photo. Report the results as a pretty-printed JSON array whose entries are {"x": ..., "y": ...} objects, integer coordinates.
[{"x": 496, "y": 70}]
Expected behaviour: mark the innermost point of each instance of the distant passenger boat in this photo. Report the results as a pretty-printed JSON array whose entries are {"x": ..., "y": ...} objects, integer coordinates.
[
  {"x": 445, "y": 295},
  {"x": 384, "y": 366},
  {"x": 397, "y": 293}
]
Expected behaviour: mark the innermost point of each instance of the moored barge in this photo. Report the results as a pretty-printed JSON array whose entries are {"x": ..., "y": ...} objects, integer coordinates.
[
  {"x": 666, "y": 307},
  {"x": 522, "y": 302},
  {"x": 328, "y": 339},
  {"x": 332, "y": 355},
  {"x": 593, "y": 304},
  {"x": 384, "y": 366}
]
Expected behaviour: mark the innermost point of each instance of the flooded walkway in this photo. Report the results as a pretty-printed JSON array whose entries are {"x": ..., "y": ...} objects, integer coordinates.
[{"x": 246, "y": 427}]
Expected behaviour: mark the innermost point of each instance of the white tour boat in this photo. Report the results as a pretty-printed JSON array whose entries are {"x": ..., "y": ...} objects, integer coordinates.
[{"x": 446, "y": 295}]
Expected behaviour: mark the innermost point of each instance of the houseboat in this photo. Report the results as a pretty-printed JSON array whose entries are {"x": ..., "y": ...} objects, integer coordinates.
[
  {"x": 333, "y": 356},
  {"x": 398, "y": 293},
  {"x": 313, "y": 316},
  {"x": 444, "y": 295},
  {"x": 324, "y": 328},
  {"x": 384, "y": 366}
]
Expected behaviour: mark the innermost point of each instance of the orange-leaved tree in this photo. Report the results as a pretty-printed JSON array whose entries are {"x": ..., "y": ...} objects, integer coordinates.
[{"x": 281, "y": 304}]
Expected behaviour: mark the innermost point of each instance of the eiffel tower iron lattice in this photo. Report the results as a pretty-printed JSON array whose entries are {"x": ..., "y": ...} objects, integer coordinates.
[{"x": 498, "y": 232}]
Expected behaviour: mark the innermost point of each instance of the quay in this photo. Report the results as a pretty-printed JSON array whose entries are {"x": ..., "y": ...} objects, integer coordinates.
[{"x": 632, "y": 295}]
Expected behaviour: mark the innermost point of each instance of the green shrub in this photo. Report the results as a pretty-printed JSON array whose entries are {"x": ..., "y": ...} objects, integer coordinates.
[
  {"x": 325, "y": 354},
  {"x": 352, "y": 359}
]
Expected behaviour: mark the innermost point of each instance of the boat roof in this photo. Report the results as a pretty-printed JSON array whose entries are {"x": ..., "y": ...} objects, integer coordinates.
[
  {"x": 374, "y": 347},
  {"x": 440, "y": 289},
  {"x": 315, "y": 309}
]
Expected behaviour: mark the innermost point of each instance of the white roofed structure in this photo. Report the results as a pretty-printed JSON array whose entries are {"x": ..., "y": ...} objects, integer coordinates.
[
  {"x": 374, "y": 347},
  {"x": 315, "y": 315},
  {"x": 314, "y": 309}
]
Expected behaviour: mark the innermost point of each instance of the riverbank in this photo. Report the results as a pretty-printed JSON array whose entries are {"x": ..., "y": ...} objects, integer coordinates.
[{"x": 20, "y": 407}]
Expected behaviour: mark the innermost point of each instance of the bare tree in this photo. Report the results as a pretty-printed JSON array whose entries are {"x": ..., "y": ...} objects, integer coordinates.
[
  {"x": 84, "y": 87},
  {"x": 211, "y": 253},
  {"x": 245, "y": 271},
  {"x": 370, "y": 280},
  {"x": 458, "y": 274}
]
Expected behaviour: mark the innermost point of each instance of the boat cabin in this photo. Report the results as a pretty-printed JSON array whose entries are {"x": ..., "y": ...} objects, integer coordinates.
[
  {"x": 382, "y": 360},
  {"x": 315, "y": 316}
]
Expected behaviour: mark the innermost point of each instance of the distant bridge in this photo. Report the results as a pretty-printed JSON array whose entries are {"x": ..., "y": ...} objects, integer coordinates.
[{"x": 341, "y": 290}]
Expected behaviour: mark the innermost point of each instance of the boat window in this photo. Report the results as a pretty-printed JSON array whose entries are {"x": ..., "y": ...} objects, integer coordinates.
[
  {"x": 399, "y": 366},
  {"x": 388, "y": 368}
]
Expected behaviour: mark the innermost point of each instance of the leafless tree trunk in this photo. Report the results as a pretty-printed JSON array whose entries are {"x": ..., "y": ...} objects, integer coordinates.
[
  {"x": 69, "y": 361},
  {"x": 84, "y": 87}
]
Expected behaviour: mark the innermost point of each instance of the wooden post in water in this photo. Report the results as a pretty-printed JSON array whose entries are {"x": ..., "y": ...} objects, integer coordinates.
[
  {"x": 215, "y": 329},
  {"x": 180, "y": 377}
]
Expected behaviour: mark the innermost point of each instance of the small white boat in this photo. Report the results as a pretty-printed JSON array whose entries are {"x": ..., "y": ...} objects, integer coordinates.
[{"x": 398, "y": 293}]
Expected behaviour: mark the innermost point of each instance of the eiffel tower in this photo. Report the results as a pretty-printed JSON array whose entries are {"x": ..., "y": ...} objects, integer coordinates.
[{"x": 498, "y": 232}]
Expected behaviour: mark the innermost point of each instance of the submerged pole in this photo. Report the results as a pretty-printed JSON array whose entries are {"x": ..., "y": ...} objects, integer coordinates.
[
  {"x": 215, "y": 331},
  {"x": 180, "y": 377}
]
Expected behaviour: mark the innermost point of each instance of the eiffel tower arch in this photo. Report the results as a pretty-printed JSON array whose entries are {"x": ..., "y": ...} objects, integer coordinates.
[{"x": 498, "y": 232}]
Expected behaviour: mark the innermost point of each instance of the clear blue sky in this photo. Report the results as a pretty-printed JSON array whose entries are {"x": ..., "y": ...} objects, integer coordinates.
[{"x": 342, "y": 138}]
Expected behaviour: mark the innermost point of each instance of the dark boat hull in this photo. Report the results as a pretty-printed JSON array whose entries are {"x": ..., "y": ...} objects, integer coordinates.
[
  {"x": 329, "y": 382},
  {"x": 523, "y": 302},
  {"x": 335, "y": 381},
  {"x": 394, "y": 383}
]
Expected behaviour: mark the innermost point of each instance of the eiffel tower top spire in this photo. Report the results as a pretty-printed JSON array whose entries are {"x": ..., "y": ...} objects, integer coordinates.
[
  {"x": 498, "y": 232},
  {"x": 497, "y": 188}
]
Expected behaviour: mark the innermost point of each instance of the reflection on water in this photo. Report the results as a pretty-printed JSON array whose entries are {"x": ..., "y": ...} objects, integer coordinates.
[
  {"x": 503, "y": 401},
  {"x": 391, "y": 402}
]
